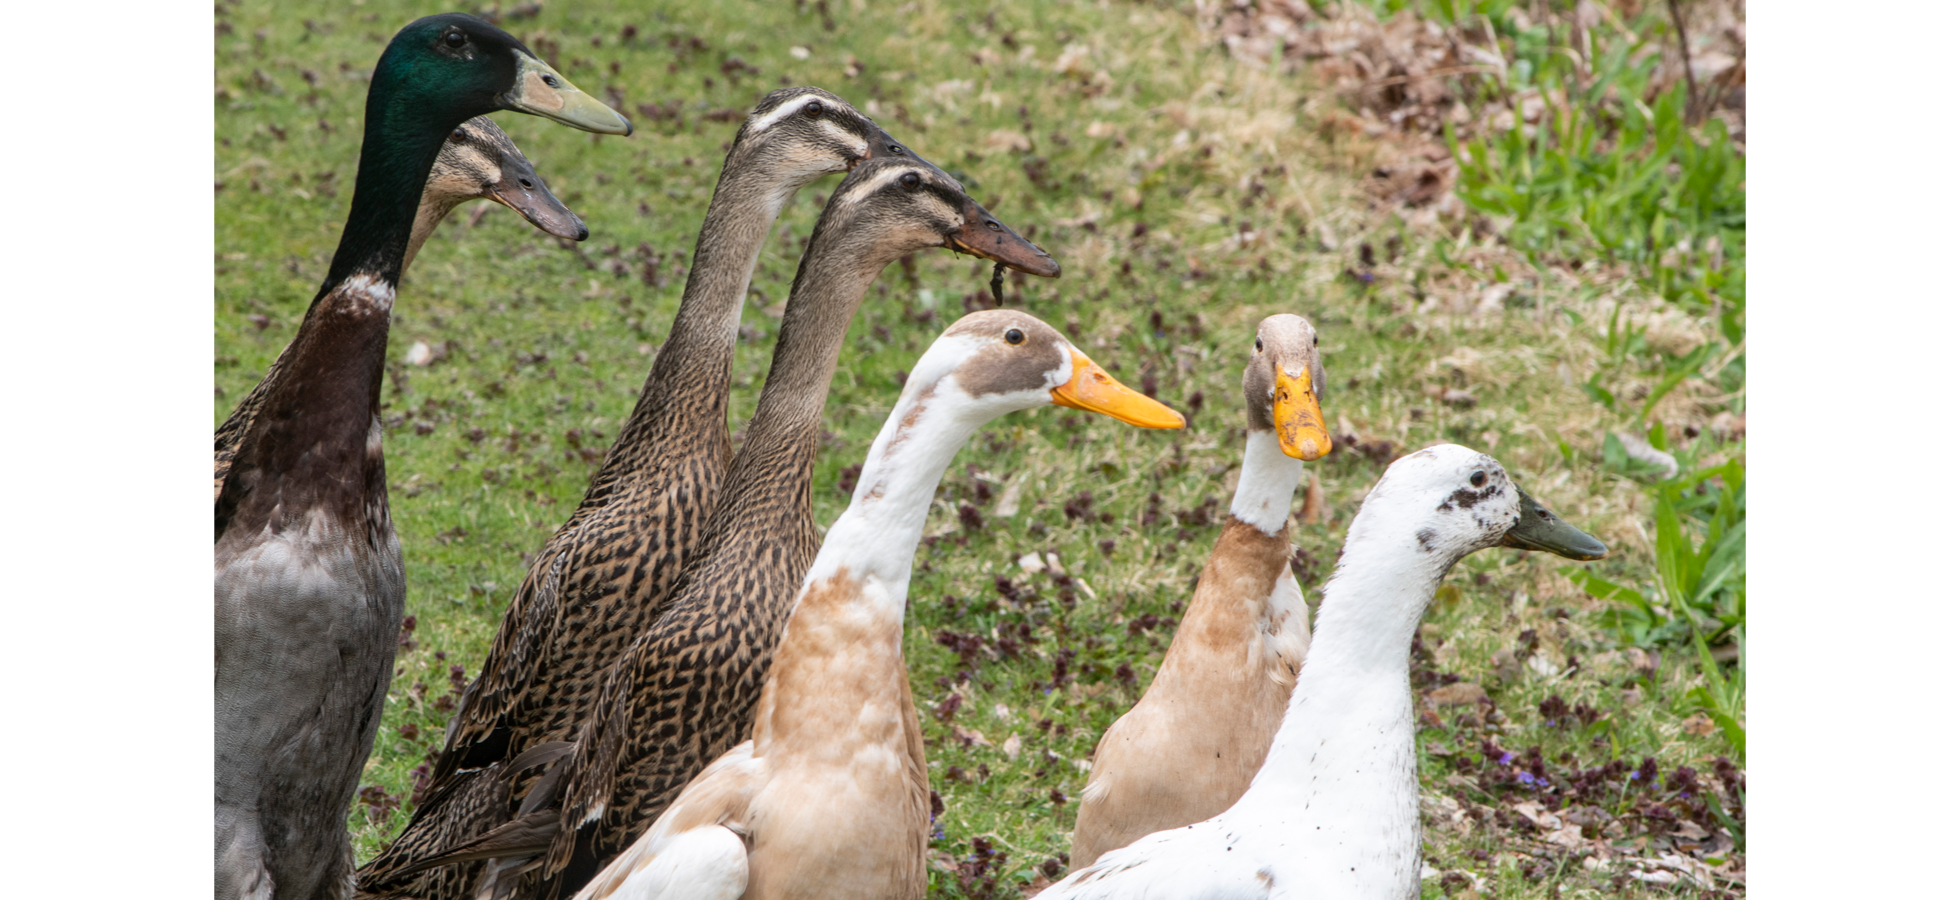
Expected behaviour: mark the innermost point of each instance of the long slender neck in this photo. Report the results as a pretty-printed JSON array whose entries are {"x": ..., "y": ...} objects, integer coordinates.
[
  {"x": 1266, "y": 482},
  {"x": 876, "y": 537},
  {"x": 747, "y": 200},
  {"x": 316, "y": 425},
  {"x": 691, "y": 375},
  {"x": 398, "y": 148},
  {"x": 774, "y": 465},
  {"x": 1350, "y": 711},
  {"x": 433, "y": 209}
]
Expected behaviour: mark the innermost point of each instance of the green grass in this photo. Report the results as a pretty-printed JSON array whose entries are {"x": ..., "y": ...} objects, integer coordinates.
[{"x": 1185, "y": 195}]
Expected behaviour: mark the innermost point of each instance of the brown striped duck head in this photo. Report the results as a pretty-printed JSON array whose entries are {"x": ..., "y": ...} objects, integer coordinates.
[
  {"x": 1284, "y": 384},
  {"x": 998, "y": 361},
  {"x": 479, "y": 161},
  {"x": 801, "y": 134},
  {"x": 900, "y": 206}
]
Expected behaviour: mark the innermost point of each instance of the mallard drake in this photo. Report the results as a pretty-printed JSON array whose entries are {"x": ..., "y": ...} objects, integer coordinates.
[
  {"x": 828, "y": 797},
  {"x": 605, "y": 575},
  {"x": 1194, "y": 740},
  {"x": 307, "y": 569},
  {"x": 1332, "y": 812},
  {"x": 479, "y": 161},
  {"x": 685, "y": 691}
]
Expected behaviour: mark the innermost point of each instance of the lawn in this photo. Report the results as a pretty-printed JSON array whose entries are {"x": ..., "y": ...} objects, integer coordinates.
[{"x": 1580, "y": 734}]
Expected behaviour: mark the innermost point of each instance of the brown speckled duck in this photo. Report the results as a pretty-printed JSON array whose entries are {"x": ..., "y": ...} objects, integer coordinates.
[
  {"x": 606, "y": 574},
  {"x": 685, "y": 692}
]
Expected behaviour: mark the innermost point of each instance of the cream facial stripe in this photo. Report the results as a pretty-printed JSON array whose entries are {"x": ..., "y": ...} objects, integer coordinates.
[
  {"x": 878, "y": 182},
  {"x": 784, "y": 110},
  {"x": 844, "y": 137}
]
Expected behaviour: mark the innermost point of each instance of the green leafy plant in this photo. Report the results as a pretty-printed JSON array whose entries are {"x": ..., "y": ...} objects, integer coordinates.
[
  {"x": 1606, "y": 168},
  {"x": 1699, "y": 592}
]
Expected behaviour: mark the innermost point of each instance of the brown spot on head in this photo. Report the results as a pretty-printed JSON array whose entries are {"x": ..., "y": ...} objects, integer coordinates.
[
  {"x": 1016, "y": 352},
  {"x": 1282, "y": 341}
]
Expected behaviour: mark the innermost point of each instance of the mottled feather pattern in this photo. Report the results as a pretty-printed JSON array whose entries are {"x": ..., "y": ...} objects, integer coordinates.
[
  {"x": 685, "y": 693},
  {"x": 598, "y": 583}
]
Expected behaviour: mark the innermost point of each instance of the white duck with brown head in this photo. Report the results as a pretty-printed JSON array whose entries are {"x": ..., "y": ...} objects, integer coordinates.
[
  {"x": 829, "y": 797},
  {"x": 1332, "y": 812}
]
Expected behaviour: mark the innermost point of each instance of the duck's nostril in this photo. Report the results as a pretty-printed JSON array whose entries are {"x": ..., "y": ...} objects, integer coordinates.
[{"x": 526, "y": 182}]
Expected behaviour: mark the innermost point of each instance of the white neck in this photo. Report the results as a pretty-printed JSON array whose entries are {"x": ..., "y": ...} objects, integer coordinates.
[
  {"x": 1266, "y": 482},
  {"x": 876, "y": 537},
  {"x": 1345, "y": 754}
]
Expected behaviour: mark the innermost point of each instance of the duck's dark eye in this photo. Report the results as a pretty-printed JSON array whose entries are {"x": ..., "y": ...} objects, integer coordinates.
[
  {"x": 1477, "y": 478},
  {"x": 455, "y": 39},
  {"x": 1258, "y": 345},
  {"x": 550, "y": 81},
  {"x": 1316, "y": 340},
  {"x": 993, "y": 225},
  {"x": 896, "y": 148},
  {"x": 910, "y": 180},
  {"x": 813, "y": 109},
  {"x": 1014, "y": 336},
  {"x": 456, "y": 135}
]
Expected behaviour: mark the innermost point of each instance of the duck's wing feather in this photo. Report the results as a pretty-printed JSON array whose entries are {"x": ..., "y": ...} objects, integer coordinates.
[
  {"x": 475, "y": 737},
  {"x": 1188, "y": 863},
  {"x": 232, "y": 432},
  {"x": 696, "y": 849},
  {"x": 707, "y": 863}
]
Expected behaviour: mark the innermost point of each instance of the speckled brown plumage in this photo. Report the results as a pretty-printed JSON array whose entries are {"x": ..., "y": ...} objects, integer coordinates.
[
  {"x": 606, "y": 574},
  {"x": 686, "y": 690}
]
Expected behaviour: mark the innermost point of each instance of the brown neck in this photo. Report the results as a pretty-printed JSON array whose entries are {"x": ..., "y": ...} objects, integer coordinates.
[
  {"x": 427, "y": 216},
  {"x": 689, "y": 380},
  {"x": 773, "y": 470},
  {"x": 315, "y": 430},
  {"x": 1228, "y": 608}
]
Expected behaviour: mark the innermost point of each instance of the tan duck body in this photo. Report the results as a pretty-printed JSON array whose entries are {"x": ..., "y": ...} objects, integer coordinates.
[
  {"x": 1190, "y": 746},
  {"x": 307, "y": 572},
  {"x": 829, "y": 798},
  {"x": 607, "y": 573},
  {"x": 478, "y": 161}
]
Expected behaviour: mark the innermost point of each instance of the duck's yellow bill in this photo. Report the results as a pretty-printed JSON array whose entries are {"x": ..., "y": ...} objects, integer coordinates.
[
  {"x": 1091, "y": 388},
  {"x": 541, "y": 91},
  {"x": 1296, "y": 416}
]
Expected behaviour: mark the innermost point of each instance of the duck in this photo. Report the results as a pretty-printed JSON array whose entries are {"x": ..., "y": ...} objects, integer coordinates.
[
  {"x": 1192, "y": 743},
  {"x": 478, "y": 162},
  {"x": 683, "y": 693},
  {"x": 1332, "y": 810},
  {"x": 605, "y": 574},
  {"x": 828, "y": 798},
  {"x": 307, "y": 569}
]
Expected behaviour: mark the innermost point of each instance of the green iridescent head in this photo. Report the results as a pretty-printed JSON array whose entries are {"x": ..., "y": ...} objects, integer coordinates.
[{"x": 436, "y": 74}]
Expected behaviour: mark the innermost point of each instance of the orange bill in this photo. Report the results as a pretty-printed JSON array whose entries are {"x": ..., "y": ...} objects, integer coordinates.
[
  {"x": 1091, "y": 388},
  {"x": 1296, "y": 416}
]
